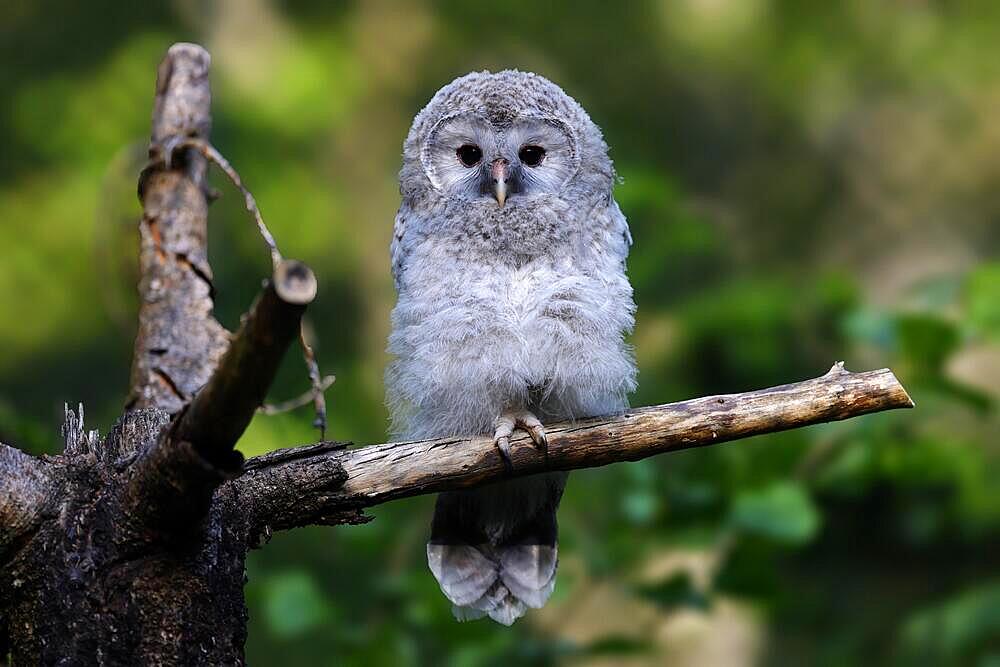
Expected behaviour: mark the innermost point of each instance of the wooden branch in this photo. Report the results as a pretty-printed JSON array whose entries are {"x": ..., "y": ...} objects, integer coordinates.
[
  {"x": 178, "y": 343},
  {"x": 222, "y": 410},
  {"x": 25, "y": 489},
  {"x": 185, "y": 362},
  {"x": 291, "y": 487},
  {"x": 172, "y": 483}
]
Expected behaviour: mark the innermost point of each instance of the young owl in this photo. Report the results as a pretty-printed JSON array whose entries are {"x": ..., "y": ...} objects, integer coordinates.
[{"x": 509, "y": 262}]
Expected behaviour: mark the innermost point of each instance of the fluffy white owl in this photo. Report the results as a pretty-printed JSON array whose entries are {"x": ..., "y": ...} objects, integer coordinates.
[{"x": 513, "y": 303}]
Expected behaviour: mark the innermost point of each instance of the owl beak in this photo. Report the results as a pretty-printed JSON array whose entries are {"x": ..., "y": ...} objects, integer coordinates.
[{"x": 500, "y": 171}]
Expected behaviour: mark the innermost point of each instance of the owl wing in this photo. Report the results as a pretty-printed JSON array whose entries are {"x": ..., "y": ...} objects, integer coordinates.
[
  {"x": 397, "y": 248},
  {"x": 617, "y": 228}
]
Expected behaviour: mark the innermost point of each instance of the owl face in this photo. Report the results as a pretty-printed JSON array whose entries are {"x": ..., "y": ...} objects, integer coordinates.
[
  {"x": 506, "y": 161},
  {"x": 502, "y": 149}
]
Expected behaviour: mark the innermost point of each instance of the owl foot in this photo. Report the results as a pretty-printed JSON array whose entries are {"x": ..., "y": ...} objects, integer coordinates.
[{"x": 505, "y": 425}]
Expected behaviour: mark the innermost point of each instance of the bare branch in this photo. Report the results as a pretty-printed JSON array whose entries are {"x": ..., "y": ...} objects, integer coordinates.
[
  {"x": 210, "y": 153},
  {"x": 178, "y": 343},
  {"x": 171, "y": 484},
  {"x": 294, "y": 487},
  {"x": 185, "y": 362},
  {"x": 318, "y": 398},
  {"x": 221, "y": 411},
  {"x": 25, "y": 488}
]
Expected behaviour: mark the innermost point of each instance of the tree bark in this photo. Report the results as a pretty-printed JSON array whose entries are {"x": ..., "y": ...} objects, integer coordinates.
[
  {"x": 91, "y": 585},
  {"x": 25, "y": 487},
  {"x": 179, "y": 342},
  {"x": 131, "y": 549}
]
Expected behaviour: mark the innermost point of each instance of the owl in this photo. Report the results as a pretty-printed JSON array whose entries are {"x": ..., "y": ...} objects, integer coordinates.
[{"x": 508, "y": 256}]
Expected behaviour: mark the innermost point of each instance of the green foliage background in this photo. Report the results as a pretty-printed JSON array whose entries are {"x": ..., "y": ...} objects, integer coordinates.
[{"x": 806, "y": 182}]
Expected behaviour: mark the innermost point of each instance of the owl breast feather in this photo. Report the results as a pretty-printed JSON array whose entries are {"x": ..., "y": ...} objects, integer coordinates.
[{"x": 474, "y": 335}]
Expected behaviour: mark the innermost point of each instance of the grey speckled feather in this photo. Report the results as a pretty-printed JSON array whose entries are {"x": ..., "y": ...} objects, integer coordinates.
[{"x": 519, "y": 306}]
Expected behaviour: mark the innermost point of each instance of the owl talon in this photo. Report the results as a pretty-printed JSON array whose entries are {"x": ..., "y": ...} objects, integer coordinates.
[
  {"x": 533, "y": 426},
  {"x": 541, "y": 440},
  {"x": 501, "y": 437},
  {"x": 522, "y": 419},
  {"x": 503, "y": 446}
]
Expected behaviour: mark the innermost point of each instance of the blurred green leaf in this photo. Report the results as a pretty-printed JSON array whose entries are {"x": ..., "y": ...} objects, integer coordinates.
[
  {"x": 640, "y": 501},
  {"x": 293, "y": 604},
  {"x": 926, "y": 340},
  {"x": 640, "y": 506},
  {"x": 964, "y": 630},
  {"x": 983, "y": 300},
  {"x": 782, "y": 511},
  {"x": 870, "y": 326}
]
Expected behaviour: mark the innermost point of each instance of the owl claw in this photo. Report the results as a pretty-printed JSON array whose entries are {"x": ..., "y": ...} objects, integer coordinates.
[
  {"x": 534, "y": 427},
  {"x": 505, "y": 425},
  {"x": 503, "y": 446}
]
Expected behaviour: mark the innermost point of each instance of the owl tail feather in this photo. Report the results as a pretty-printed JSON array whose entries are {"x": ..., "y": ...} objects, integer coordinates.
[{"x": 501, "y": 581}]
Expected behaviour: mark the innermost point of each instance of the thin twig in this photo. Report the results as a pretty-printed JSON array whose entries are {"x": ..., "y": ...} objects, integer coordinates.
[
  {"x": 210, "y": 153},
  {"x": 318, "y": 399},
  {"x": 308, "y": 397}
]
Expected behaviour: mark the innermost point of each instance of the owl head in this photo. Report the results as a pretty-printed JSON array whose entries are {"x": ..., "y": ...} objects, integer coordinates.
[{"x": 502, "y": 142}]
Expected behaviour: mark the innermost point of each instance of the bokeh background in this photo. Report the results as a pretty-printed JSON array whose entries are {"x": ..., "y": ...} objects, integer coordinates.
[{"x": 805, "y": 182}]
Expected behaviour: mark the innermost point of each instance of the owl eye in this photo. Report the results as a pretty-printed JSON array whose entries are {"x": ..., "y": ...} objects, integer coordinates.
[
  {"x": 469, "y": 154},
  {"x": 531, "y": 155}
]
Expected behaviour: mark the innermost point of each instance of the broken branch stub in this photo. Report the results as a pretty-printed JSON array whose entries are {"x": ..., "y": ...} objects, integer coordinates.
[
  {"x": 178, "y": 342},
  {"x": 221, "y": 411}
]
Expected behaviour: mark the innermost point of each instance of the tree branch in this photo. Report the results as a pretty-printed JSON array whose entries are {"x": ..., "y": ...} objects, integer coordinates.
[
  {"x": 223, "y": 408},
  {"x": 25, "y": 488},
  {"x": 171, "y": 484},
  {"x": 185, "y": 362},
  {"x": 178, "y": 343},
  {"x": 292, "y": 487}
]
